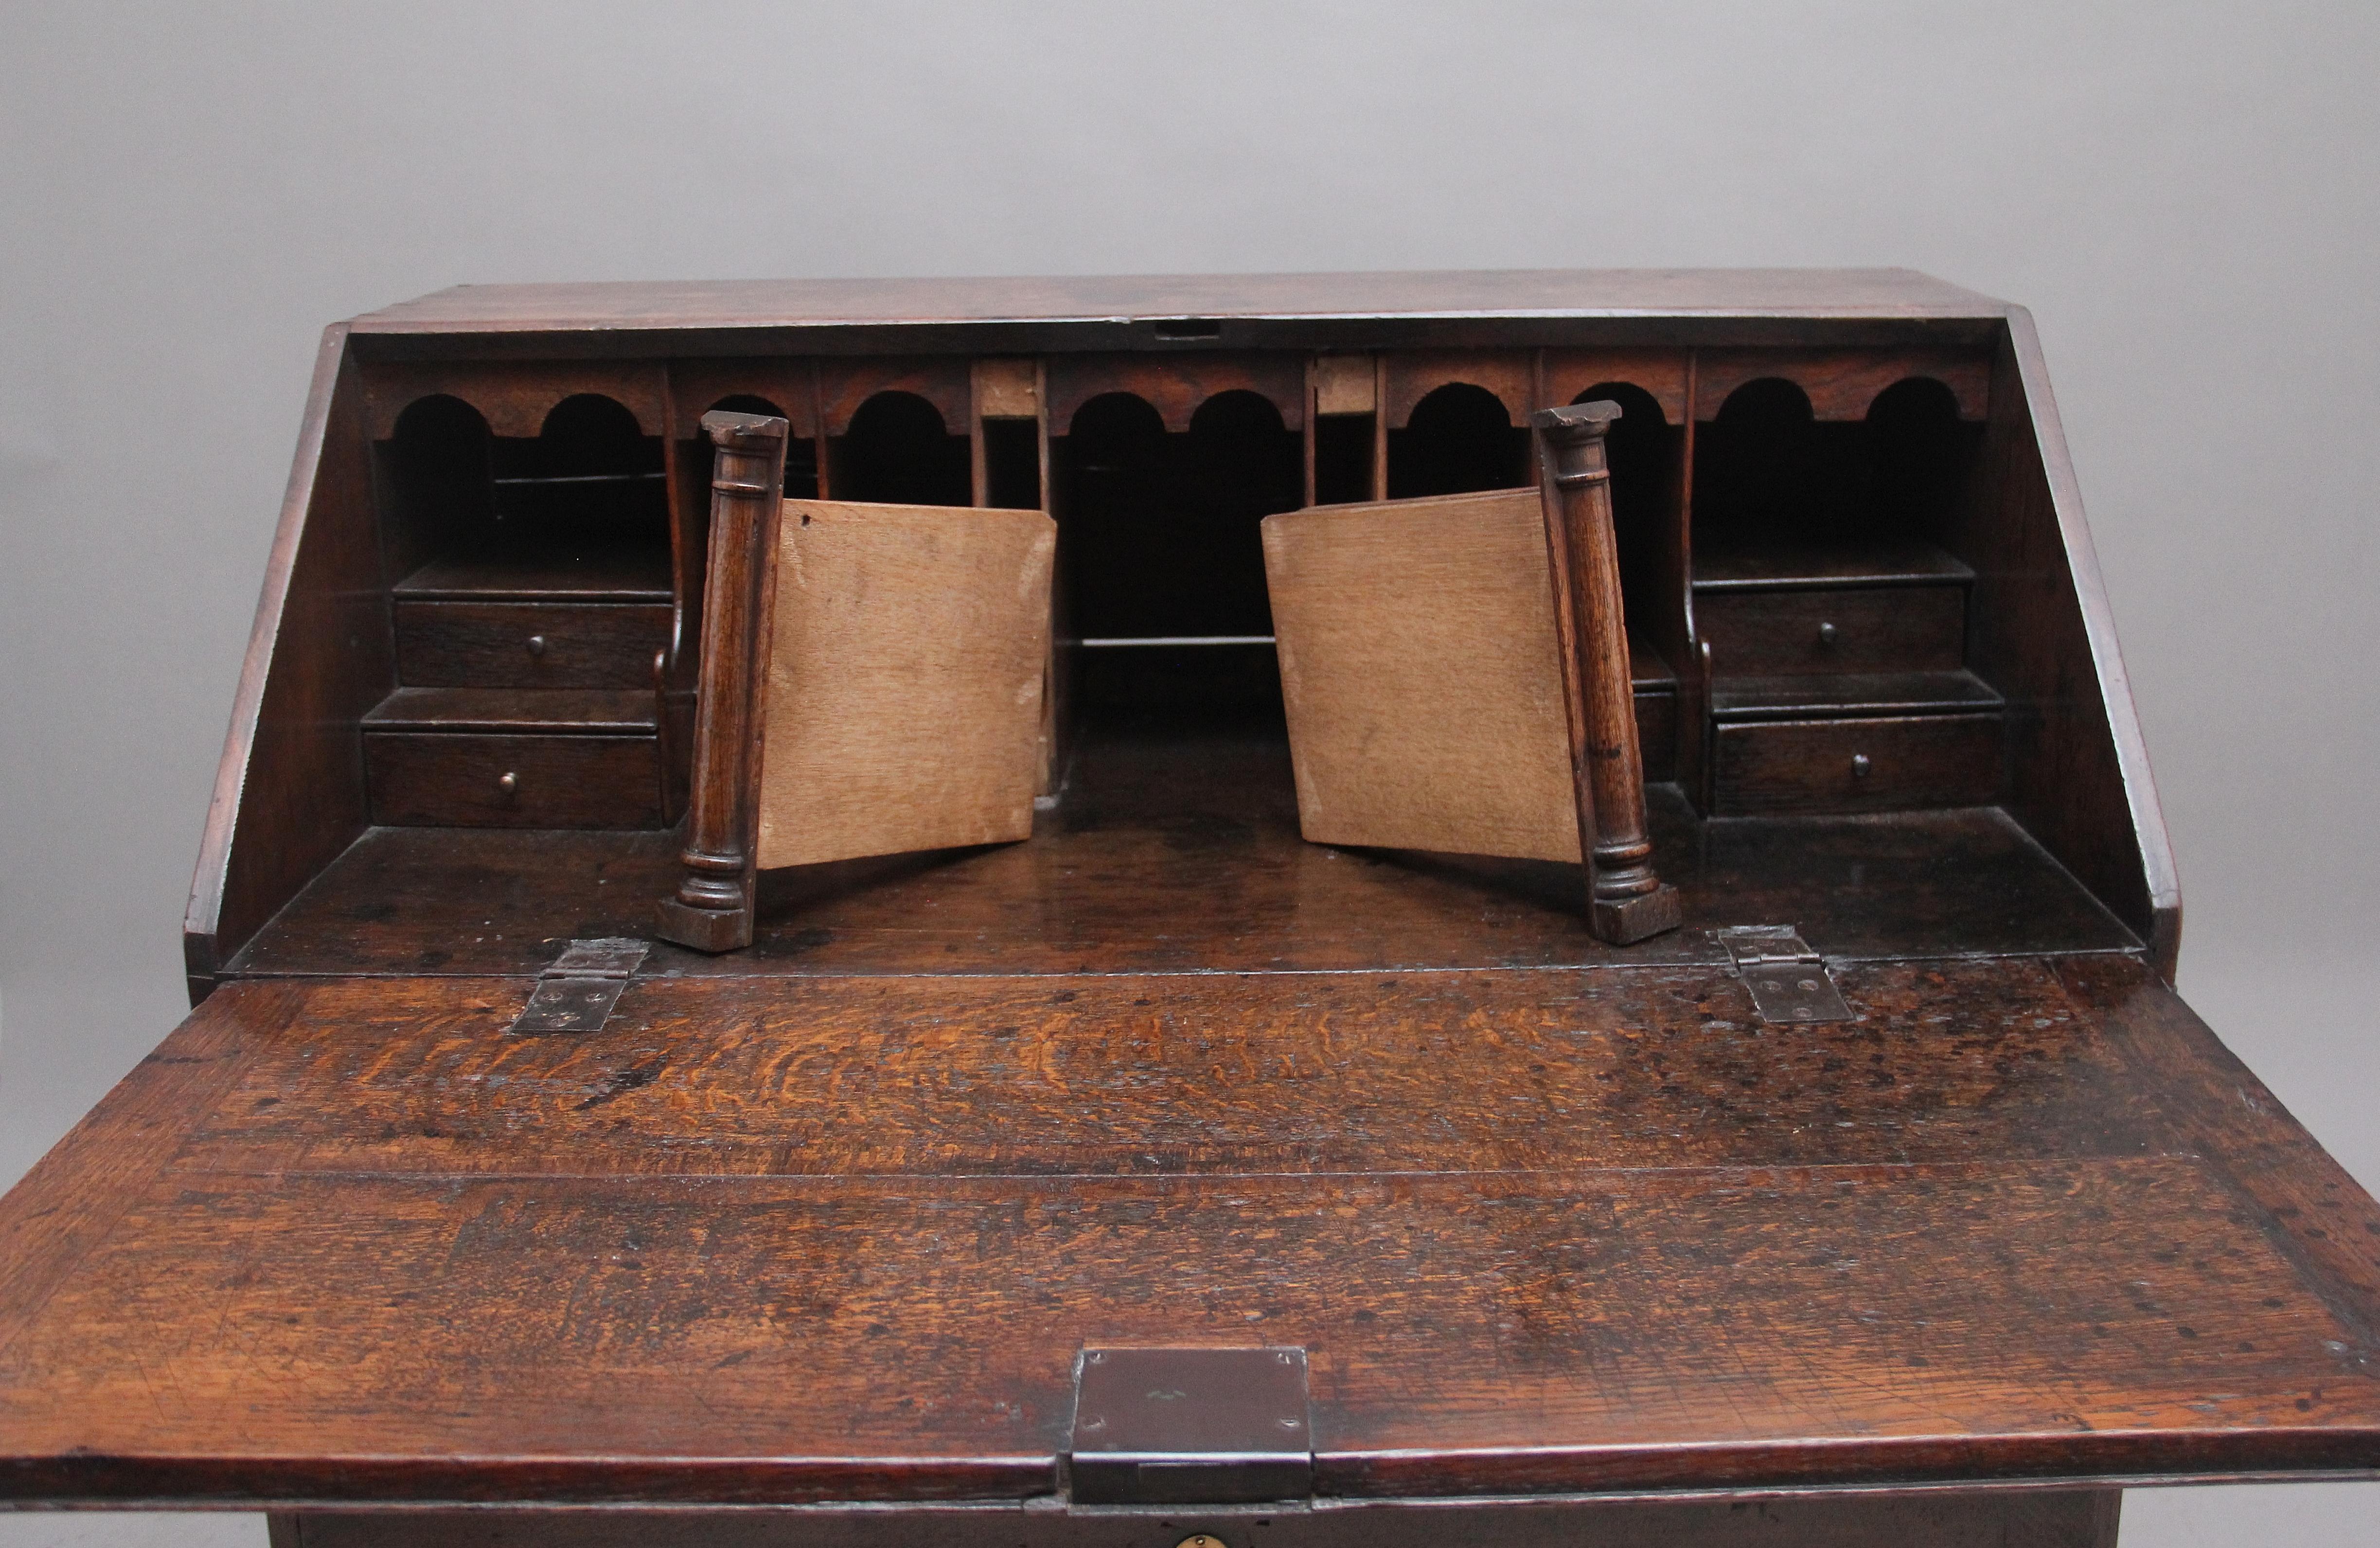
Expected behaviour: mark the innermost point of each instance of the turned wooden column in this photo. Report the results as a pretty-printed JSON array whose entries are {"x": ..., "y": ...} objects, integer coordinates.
[
  {"x": 1626, "y": 899},
  {"x": 712, "y": 908}
]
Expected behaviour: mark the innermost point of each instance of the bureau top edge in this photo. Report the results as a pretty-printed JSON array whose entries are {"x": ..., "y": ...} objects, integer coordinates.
[{"x": 1270, "y": 302}]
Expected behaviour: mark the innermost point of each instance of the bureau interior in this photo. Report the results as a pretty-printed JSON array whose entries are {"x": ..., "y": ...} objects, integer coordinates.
[{"x": 1798, "y": 531}]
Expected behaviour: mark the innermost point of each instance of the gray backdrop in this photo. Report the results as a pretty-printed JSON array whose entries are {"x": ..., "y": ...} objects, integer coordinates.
[{"x": 2185, "y": 194}]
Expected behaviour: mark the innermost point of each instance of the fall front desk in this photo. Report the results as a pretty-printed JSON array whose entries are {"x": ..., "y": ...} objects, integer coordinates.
[{"x": 1170, "y": 1161}]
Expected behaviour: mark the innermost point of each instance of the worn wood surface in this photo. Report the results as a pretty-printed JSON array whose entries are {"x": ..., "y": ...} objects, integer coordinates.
[
  {"x": 902, "y": 706},
  {"x": 1184, "y": 854},
  {"x": 2029, "y": 1518},
  {"x": 375, "y": 1249},
  {"x": 1419, "y": 664}
]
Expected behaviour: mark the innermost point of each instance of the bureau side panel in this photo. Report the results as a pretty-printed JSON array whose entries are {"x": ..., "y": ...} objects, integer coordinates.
[
  {"x": 289, "y": 793},
  {"x": 2041, "y": 633}
]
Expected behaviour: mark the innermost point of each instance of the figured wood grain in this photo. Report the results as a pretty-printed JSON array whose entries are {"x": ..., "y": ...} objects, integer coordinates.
[
  {"x": 902, "y": 706},
  {"x": 1418, "y": 663},
  {"x": 557, "y": 1338},
  {"x": 1184, "y": 1074}
]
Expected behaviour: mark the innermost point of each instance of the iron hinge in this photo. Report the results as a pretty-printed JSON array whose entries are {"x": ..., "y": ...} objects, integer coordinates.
[
  {"x": 1191, "y": 1427},
  {"x": 1788, "y": 980},
  {"x": 578, "y": 992}
]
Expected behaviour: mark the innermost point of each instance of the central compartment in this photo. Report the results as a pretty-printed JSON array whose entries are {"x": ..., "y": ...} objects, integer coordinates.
[{"x": 1164, "y": 632}]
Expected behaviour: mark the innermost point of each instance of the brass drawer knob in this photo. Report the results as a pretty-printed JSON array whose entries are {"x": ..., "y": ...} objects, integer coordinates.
[
  {"x": 1827, "y": 633},
  {"x": 537, "y": 644},
  {"x": 1859, "y": 765},
  {"x": 508, "y": 782}
]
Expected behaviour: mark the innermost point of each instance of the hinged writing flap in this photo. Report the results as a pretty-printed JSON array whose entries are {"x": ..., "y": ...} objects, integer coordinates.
[
  {"x": 901, "y": 707},
  {"x": 1418, "y": 662}
]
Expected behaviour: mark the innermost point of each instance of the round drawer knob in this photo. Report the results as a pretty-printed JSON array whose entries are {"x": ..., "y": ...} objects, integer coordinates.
[
  {"x": 508, "y": 782},
  {"x": 1827, "y": 633},
  {"x": 537, "y": 644},
  {"x": 1859, "y": 765}
]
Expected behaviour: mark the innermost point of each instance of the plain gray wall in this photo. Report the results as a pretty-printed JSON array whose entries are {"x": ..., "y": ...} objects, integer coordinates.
[{"x": 2185, "y": 194}]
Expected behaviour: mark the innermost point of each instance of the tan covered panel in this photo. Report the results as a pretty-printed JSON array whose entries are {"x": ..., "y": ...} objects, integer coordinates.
[
  {"x": 902, "y": 708},
  {"x": 1417, "y": 658}
]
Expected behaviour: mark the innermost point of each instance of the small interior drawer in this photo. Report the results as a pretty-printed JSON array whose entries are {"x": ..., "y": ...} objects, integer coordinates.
[
  {"x": 1856, "y": 766},
  {"x": 527, "y": 644},
  {"x": 1876, "y": 629},
  {"x": 441, "y": 779}
]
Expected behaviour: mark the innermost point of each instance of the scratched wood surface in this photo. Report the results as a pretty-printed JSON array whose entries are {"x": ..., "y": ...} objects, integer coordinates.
[
  {"x": 902, "y": 707},
  {"x": 841, "y": 1239}
]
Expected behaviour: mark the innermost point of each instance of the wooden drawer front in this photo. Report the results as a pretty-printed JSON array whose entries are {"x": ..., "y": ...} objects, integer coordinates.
[
  {"x": 1883, "y": 628},
  {"x": 1814, "y": 765},
  {"x": 528, "y": 644},
  {"x": 437, "y": 779}
]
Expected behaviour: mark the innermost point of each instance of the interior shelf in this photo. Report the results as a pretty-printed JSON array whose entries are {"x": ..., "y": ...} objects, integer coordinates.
[
  {"x": 1780, "y": 563},
  {"x": 589, "y": 711},
  {"x": 592, "y": 569},
  {"x": 1805, "y": 696}
]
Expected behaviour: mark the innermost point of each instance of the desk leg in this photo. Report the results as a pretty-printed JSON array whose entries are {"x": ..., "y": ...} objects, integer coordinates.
[{"x": 2073, "y": 1518}]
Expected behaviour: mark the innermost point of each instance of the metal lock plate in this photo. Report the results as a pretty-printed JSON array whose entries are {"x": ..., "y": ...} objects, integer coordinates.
[
  {"x": 1788, "y": 980},
  {"x": 577, "y": 993},
  {"x": 1191, "y": 1427}
]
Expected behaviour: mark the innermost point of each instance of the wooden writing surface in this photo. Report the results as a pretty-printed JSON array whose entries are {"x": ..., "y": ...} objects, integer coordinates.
[
  {"x": 1418, "y": 661},
  {"x": 902, "y": 707}
]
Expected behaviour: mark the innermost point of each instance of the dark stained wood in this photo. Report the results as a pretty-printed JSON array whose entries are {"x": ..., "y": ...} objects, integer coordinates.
[
  {"x": 1183, "y": 856},
  {"x": 1779, "y": 561},
  {"x": 586, "y": 572},
  {"x": 708, "y": 905},
  {"x": 446, "y": 779},
  {"x": 1841, "y": 385},
  {"x": 1627, "y": 901},
  {"x": 289, "y": 788},
  {"x": 826, "y": 1219},
  {"x": 514, "y": 396},
  {"x": 1912, "y": 628},
  {"x": 1406, "y": 379},
  {"x": 592, "y": 712},
  {"x": 1881, "y": 764},
  {"x": 2028, "y": 1518},
  {"x": 1565, "y": 375},
  {"x": 849, "y": 306},
  {"x": 846, "y": 384},
  {"x": 1176, "y": 385},
  {"x": 2044, "y": 636},
  {"x": 1810, "y": 696},
  {"x": 1183, "y": 1074},
  {"x": 525, "y": 644},
  {"x": 1650, "y": 1246}
]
